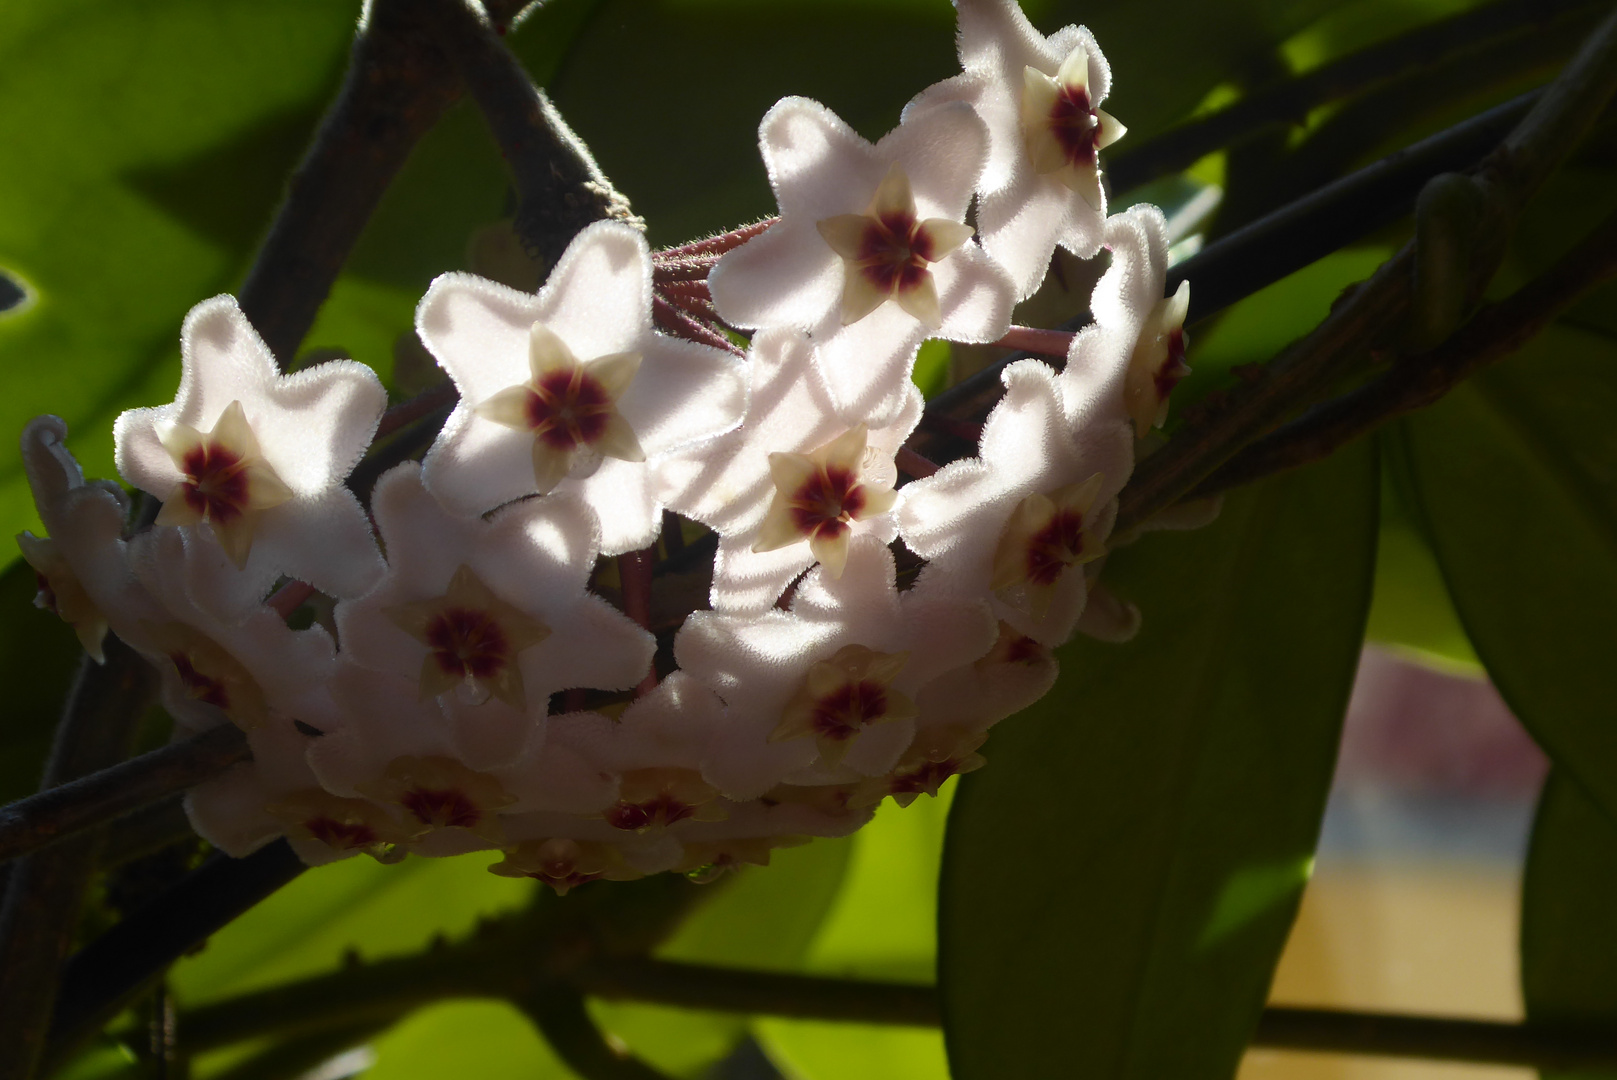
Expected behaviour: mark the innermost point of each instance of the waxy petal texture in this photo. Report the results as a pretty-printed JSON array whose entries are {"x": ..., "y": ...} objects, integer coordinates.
[
  {"x": 311, "y": 427},
  {"x": 791, "y": 275},
  {"x": 1022, "y": 215},
  {"x": 597, "y": 302}
]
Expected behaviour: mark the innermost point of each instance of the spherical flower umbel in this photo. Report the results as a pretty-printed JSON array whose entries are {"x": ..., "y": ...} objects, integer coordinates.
[{"x": 509, "y": 650}]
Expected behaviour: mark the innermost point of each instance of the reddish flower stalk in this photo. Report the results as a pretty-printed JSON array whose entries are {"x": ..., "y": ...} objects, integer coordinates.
[
  {"x": 408, "y": 411},
  {"x": 634, "y": 574},
  {"x": 915, "y": 465},
  {"x": 1034, "y": 340},
  {"x": 674, "y": 321},
  {"x": 289, "y": 597},
  {"x": 715, "y": 245}
]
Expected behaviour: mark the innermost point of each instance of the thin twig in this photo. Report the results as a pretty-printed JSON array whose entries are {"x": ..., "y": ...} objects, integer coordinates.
[
  {"x": 45, "y": 891},
  {"x": 104, "y": 976},
  {"x": 1372, "y": 312},
  {"x": 1435, "y": 1038},
  {"x": 1279, "y": 244},
  {"x": 559, "y": 1013},
  {"x": 103, "y": 796},
  {"x": 1292, "y": 100},
  {"x": 768, "y": 993},
  {"x": 1031, "y": 339},
  {"x": 398, "y": 85},
  {"x": 559, "y": 186},
  {"x": 1415, "y": 382}
]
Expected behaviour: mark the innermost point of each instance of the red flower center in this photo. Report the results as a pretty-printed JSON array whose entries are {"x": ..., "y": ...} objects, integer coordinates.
[
  {"x": 894, "y": 251},
  {"x": 341, "y": 835},
  {"x": 663, "y": 809},
  {"x": 441, "y": 807},
  {"x": 1075, "y": 126},
  {"x": 467, "y": 642},
  {"x": 568, "y": 409},
  {"x": 1173, "y": 365},
  {"x": 215, "y": 483},
  {"x": 1055, "y": 547},
  {"x": 826, "y": 501},
  {"x": 842, "y": 713}
]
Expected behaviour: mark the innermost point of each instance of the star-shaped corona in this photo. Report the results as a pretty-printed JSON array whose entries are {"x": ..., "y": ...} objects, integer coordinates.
[
  {"x": 1044, "y": 538},
  {"x": 207, "y": 674},
  {"x": 346, "y": 826},
  {"x": 564, "y": 863},
  {"x": 225, "y": 480},
  {"x": 1158, "y": 361},
  {"x": 441, "y": 793},
  {"x": 656, "y": 798},
  {"x": 886, "y": 252},
  {"x": 817, "y": 495},
  {"x": 569, "y": 406},
  {"x": 1065, "y": 131},
  {"x": 473, "y": 639},
  {"x": 937, "y": 754},
  {"x": 842, "y": 696}
]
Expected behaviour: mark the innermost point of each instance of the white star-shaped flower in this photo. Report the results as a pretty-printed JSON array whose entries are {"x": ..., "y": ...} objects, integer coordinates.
[
  {"x": 570, "y": 390},
  {"x": 250, "y": 671},
  {"x": 1018, "y": 521},
  {"x": 254, "y": 462},
  {"x": 277, "y": 794},
  {"x": 869, "y": 255},
  {"x": 847, "y": 659},
  {"x": 1039, "y": 97},
  {"x": 82, "y": 565},
  {"x": 490, "y": 617},
  {"x": 734, "y": 483}
]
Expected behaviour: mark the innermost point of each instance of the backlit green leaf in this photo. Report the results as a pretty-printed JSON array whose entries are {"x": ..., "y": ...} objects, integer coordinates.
[{"x": 1118, "y": 882}]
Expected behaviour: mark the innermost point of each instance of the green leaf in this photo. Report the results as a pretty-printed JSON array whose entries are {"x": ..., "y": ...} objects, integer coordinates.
[
  {"x": 148, "y": 144},
  {"x": 357, "y": 906},
  {"x": 881, "y": 927},
  {"x": 1410, "y": 610},
  {"x": 864, "y": 60},
  {"x": 1515, "y": 477},
  {"x": 765, "y": 918},
  {"x": 489, "y": 1040},
  {"x": 38, "y": 655},
  {"x": 1119, "y": 880},
  {"x": 1569, "y": 913}
]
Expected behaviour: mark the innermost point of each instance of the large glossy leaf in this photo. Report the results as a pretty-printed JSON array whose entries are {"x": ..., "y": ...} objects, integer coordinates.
[
  {"x": 1569, "y": 912},
  {"x": 881, "y": 927},
  {"x": 145, "y": 146},
  {"x": 1119, "y": 880},
  {"x": 489, "y": 1040},
  {"x": 1515, "y": 477}
]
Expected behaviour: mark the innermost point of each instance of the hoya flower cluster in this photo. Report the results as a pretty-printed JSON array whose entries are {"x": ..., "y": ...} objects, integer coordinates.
[{"x": 451, "y": 665}]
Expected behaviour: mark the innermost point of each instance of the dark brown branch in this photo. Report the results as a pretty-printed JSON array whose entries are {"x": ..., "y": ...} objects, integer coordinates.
[
  {"x": 1370, "y": 316},
  {"x": 423, "y": 404},
  {"x": 45, "y": 891},
  {"x": 1415, "y": 382},
  {"x": 1279, "y": 244},
  {"x": 146, "y": 831},
  {"x": 559, "y": 185},
  {"x": 559, "y": 1013},
  {"x": 398, "y": 84},
  {"x": 102, "y": 978},
  {"x": 1290, "y": 101},
  {"x": 1435, "y": 1039},
  {"x": 100, "y": 797},
  {"x": 806, "y": 997}
]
